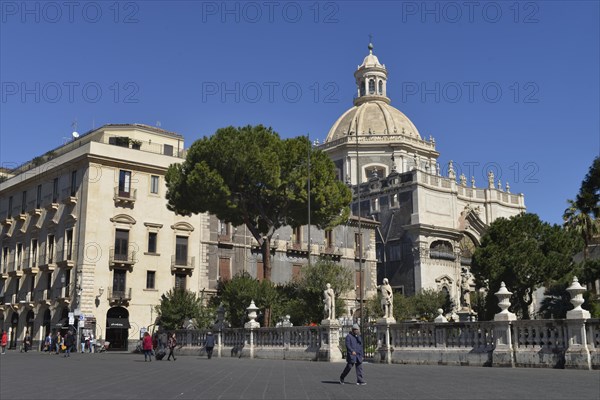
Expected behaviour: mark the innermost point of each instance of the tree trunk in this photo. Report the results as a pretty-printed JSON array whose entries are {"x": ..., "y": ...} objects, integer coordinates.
[{"x": 266, "y": 254}]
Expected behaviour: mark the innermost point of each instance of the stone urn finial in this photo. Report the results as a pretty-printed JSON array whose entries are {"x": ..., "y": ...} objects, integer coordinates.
[
  {"x": 440, "y": 318},
  {"x": 252, "y": 309},
  {"x": 503, "y": 296},
  {"x": 576, "y": 292}
]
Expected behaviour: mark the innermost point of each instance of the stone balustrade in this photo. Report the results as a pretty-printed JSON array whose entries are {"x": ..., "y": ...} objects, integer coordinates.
[
  {"x": 535, "y": 343},
  {"x": 573, "y": 342}
]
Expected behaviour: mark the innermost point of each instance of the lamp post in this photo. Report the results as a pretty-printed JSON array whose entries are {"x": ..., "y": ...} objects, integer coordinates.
[
  {"x": 360, "y": 251},
  {"x": 308, "y": 196}
]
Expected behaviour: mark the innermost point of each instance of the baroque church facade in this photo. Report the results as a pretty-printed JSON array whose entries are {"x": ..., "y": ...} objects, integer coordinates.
[{"x": 429, "y": 224}]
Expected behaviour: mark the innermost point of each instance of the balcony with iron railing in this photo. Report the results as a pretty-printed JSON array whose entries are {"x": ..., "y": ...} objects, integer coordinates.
[
  {"x": 44, "y": 297},
  {"x": 47, "y": 262},
  {"x": 442, "y": 255},
  {"x": 296, "y": 247},
  {"x": 122, "y": 260},
  {"x": 329, "y": 251},
  {"x": 15, "y": 268},
  {"x": 6, "y": 219},
  {"x": 181, "y": 264},
  {"x": 63, "y": 295},
  {"x": 30, "y": 265},
  {"x": 69, "y": 196},
  {"x": 119, "y": 296},
  {"x": 125, "y": 197},
  {"x": 26, "y": 300},
  {"x": 64, "y": 259}
]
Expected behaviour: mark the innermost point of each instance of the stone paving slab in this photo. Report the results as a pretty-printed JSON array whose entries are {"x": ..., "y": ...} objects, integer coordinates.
[{"x": 36, "y": 375}]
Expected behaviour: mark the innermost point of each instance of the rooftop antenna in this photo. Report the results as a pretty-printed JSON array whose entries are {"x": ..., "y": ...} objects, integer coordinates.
[{"x": 75, "y": 134}]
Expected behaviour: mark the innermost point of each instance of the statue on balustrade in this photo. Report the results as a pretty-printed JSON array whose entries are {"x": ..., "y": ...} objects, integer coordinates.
[
  {"x": 387, "y": 299},
  {"x": 329, "y": 300}
]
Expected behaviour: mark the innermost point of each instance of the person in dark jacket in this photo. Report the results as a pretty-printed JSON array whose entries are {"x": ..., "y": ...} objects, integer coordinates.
[
  {"x": 172, "y": 344},
  {"x": 209, "y": 344},
  {"x": 69, "y": 343},
  {"x": 354, "y": 355}
]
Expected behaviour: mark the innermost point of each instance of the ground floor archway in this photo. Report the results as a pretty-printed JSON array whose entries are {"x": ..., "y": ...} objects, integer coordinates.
[{"x": 117, "y": 328}]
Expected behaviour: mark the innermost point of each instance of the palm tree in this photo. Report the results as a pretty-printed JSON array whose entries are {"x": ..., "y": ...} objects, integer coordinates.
[{"x": 577, "y": 220}]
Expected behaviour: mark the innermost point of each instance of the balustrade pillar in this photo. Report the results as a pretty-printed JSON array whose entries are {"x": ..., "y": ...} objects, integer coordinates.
[
  {"x": 252, "y": 325},
  {"x": 330, "y": 339},
  {"x": 577, "y": 355},
  {"x": 503, "y": 355},
  {"x": 384, "y": 343}
]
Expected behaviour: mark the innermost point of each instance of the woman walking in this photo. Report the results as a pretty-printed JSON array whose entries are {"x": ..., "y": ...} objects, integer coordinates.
[
  {"x": 4, "y": 341},
  {"x": 172, "y": 344},
  {"x": 147, "y": 347}
]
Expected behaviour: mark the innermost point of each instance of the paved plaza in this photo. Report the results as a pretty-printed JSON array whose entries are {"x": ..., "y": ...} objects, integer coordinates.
[{"x": 36, "y": 375}]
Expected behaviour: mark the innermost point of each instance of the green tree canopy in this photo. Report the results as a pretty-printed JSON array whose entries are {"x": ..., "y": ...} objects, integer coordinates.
[
  {"x": 525, "y": 253},
  {"x": 177, "y": 307},
  {"x": 308, "y": 289},
  {"x": 237, "y": 293},
  {"x": 422, "y": 306},
  {"x": 251, "y": 176}
]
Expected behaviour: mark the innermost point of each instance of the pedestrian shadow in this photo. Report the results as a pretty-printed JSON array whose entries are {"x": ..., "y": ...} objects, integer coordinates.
[{"x": 331, "y": 382}]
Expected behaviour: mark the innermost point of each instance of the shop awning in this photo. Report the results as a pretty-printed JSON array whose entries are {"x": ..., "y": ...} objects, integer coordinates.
[{"x": 117, "y": 323}]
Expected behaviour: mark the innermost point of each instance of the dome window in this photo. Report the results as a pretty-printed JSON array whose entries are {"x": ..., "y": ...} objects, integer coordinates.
[
  {"x": 381, "y": 87},
  {"x": 371, "y": 86}
]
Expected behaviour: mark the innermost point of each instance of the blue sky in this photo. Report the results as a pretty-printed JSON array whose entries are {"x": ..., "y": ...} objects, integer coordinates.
[{"x": 502, "y": 85}]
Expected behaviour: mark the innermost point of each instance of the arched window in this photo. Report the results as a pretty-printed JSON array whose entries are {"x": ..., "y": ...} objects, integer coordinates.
[
  {"x": 380, "y": 87},
  {"x": 441, "y": 249},
  {"x": 371, "y": 86},
  {"x": 362, "y": 89}
]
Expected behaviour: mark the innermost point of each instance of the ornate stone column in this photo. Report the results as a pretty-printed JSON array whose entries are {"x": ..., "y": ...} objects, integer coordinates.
[
  {"x": 577, "y": 355},
  {"x": 503, "y": 355}
]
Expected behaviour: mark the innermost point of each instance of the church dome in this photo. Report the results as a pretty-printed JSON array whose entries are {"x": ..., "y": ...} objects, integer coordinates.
[
  {"x": 372, "y": 113},
  {"x": 373, "y": 118}
]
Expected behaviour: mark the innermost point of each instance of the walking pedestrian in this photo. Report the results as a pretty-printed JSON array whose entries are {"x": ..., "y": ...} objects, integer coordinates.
[
  {"x": 58, "y": 342},
  {"x": 354, "y": 355},
  {"x": 172, "y": 343},
  {"x": 147, "y": 347},
  {"x": 4, "y": 341},
  {"x": 26, "y": 341},
  {"x": 92, "y": 343},
  {"x": 48, "y": 343},
  {"x": 209, "y": 344},
  {"x": 69, "y": 343},
  {"x": 162, "y": 339}
]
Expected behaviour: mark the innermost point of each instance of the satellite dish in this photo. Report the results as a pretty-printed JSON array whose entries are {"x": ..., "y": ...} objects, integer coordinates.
[{"x": 75, "y": 134}]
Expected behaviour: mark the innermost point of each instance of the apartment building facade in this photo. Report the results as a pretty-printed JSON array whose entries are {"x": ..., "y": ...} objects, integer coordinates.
[{"x": 87, "y": 241}]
